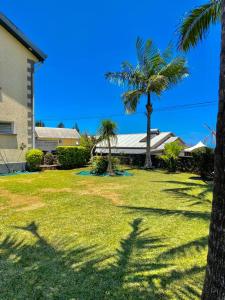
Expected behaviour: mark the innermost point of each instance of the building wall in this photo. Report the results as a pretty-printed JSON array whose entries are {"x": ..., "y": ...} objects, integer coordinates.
[
  {"x": 51, "y": 144},
  {"x": 16, "y": 96}
]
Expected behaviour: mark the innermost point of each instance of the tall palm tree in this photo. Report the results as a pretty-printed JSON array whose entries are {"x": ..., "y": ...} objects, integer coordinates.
[
  {"x": 193, "y": 29},
  {"x": 107, "y": 132},
  {"x": 153, "y": 74}
]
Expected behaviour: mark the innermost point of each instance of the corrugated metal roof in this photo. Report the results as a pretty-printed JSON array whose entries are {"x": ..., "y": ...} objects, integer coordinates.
[
  {"x": 135, "y": 140},
  {"x": 56, "y": 133},
  {"x": 169, "y": 140}
]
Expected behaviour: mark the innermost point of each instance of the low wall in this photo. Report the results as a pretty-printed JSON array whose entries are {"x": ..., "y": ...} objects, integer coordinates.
[{"x": 12, "y": 167}]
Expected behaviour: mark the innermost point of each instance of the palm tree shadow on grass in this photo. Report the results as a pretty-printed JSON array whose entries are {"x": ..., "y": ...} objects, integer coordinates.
[
  {"x": 167, "y": 212},
  {"x": 187, "y": 187},
  {"x": 43, "y": 271}
]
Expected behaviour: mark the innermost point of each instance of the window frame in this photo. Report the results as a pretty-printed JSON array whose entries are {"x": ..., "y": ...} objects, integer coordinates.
[{"x": 12, "y": 124}]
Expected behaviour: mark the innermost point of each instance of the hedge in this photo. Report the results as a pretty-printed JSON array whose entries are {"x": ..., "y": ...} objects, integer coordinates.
[{"x": 71, "y": 157}]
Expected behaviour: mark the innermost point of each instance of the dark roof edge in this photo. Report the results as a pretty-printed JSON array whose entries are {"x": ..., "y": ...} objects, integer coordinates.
[{"x": 14, "y": 31}]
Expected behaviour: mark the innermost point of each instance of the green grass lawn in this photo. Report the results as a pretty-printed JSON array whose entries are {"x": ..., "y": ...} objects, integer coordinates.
[{"x": 65, "y": 236}]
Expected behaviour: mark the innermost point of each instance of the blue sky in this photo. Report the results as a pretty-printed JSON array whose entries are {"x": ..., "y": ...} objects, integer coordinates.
[{"x": 85, "y": 39}]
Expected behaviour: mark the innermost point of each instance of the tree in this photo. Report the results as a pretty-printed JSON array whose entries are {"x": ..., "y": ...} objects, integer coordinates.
[
  {"x": 171, "y": 155},
  {"x": 88, "y": 141},
  {"x": 193, "y": 30},
  {"x": 61, "y": 125},
  {"x": 107, "y": 132},
  {"x": 153, "y": 74},
  {"x": 39, "y": 123},
  {"x": 75, "y": 126}
]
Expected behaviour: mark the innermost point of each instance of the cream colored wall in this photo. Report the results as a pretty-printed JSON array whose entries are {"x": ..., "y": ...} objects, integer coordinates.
[
  {"x": 13, "y": 94},
  {"x": 69, "y": 142}
]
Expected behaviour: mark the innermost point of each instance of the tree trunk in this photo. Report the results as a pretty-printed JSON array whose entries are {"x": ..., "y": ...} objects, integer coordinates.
[
  {"x": 148, "y": 160},
  {"x": 214, "y": 285},
  {"x": 110, "y": 169}
]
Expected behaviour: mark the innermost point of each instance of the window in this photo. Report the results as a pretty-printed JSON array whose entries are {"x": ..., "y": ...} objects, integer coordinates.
[{"x": 6, "y": 128}]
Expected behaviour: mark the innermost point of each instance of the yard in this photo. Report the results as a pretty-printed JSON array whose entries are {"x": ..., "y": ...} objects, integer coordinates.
[{"x": 65, "y": 236}]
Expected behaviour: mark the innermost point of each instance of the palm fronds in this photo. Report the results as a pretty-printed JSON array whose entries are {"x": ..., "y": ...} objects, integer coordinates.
[
  {"x": 154, "y": 73},
  {"x": 175, "y": 71},
  {"x": 107, "y": 130},
  {"x": 131, "y": 100},
  {"x": 196, "y": 24}
]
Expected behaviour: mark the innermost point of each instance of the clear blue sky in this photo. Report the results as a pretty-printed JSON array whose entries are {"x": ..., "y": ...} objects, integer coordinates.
[{"x": 85, "y": 39}]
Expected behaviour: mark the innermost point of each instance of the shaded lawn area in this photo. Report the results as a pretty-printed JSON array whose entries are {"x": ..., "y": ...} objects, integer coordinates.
[{"x": 65, "y": 236}]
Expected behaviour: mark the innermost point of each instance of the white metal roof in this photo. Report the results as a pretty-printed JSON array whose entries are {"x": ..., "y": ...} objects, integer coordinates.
[
  {"x": 135, "y": 140},
  {"x": 170, "y": 140},
  {"x": 56, "y": 133},
  {"x": 197, "y": 146}
]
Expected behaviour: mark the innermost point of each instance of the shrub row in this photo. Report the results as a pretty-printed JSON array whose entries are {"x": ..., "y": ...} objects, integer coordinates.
[{"x": 70, "y": 157}]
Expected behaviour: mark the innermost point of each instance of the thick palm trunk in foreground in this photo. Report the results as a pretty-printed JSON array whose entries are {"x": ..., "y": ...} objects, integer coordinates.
[
  {"x": 214, "y": 285},
  {"x": 148, "y": 160}
]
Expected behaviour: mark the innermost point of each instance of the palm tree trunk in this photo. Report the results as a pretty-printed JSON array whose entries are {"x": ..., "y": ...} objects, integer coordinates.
[
  {"x": 148, "y": 161},
  {"x": 110, "y": 169},
  {"x": 214, "y": 285}
]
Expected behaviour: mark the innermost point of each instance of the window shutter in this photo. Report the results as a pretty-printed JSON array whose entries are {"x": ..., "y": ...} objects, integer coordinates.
[{"x": 6, "y": 128}]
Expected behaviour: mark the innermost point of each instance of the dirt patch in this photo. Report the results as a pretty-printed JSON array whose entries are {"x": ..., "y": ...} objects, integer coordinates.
[
  {"x": 90, "y": 189},
  {"x": 20, "y": 202},
  {"x": 108, "y": 191}
]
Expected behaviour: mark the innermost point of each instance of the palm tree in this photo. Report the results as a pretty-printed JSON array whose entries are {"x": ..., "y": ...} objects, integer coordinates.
[
  {"x": 107, "y": 131},
  {"x": 153, "y": 74},
  {"x": 193, "y": 29}
]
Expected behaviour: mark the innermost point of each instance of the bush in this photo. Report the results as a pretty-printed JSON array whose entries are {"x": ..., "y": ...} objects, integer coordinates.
[
  {"x": 34, "y": 159},
  {"x": 171, "y": 155},
  {"x": 49, "y": 159},
  {"x": 71, "y": 157},
  {"x": 100, "y": 164},
  {"x": 203, "y": 162}
]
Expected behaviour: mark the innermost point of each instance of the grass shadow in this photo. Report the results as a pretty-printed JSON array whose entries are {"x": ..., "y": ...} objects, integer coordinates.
[
  {"x": 168, "y": 212},
  {"x": 45, "y": 271}
]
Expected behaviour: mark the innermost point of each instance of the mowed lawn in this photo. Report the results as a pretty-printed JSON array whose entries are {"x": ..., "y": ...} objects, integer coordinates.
[{"x": 65, "y": 236}]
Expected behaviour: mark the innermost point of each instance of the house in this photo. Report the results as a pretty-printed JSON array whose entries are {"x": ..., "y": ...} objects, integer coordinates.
[
  {"x": 18, "y": 56},
  {"x": 134, "y": 145},
  {"x": 188, "y": 151},
  {"x": 47, "y": 139}
]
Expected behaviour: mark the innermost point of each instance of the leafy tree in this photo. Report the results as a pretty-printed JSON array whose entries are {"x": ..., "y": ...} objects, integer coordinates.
[
  {"x": 88, "y": 141},
  {"x": 107, "y": 132},
  {"x": 171, "y": 155},
  {"x": 153, "y": 74},
  {"x": 39, "y": 123},
  {"x": 61, "y": 125},
  {"x": 193, "y": 30},
  {"x": 75, "y": 126}
]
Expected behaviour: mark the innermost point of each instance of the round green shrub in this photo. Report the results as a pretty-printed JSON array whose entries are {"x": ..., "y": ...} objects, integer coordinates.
[
  {"x": 99, "y": 165},
  {"x": 34, "y": 159}
]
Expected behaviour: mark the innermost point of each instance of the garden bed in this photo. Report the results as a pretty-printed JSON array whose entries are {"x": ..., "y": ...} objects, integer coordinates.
[{"x": 117, "y": 173}]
